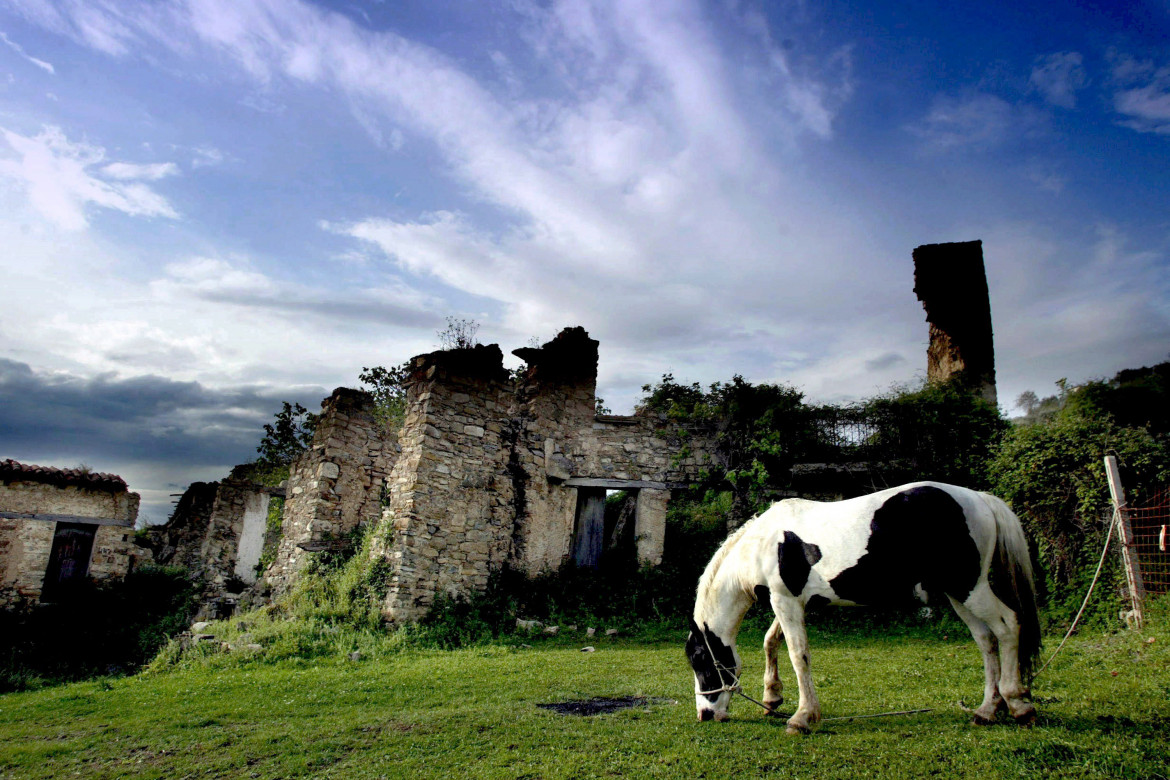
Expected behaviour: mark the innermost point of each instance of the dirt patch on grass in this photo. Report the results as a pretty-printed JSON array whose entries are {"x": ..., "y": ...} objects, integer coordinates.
[{"x": 600, "y": 705}]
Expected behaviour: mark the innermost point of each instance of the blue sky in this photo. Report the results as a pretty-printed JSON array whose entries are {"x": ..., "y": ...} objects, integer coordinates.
[{"x": 210, "y": 206}]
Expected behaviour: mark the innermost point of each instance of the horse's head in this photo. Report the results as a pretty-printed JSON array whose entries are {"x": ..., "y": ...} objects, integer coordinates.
[{"x": 716, "y": 668}]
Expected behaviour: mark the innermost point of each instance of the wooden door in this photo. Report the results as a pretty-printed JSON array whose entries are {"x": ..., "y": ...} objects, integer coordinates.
[
  {"x": 589, "y": 531},
  {"x": 69, "y": 559}
]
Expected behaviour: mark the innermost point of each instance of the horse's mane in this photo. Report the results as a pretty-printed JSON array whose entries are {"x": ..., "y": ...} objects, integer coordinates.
[{"x": 706, "y": 581}]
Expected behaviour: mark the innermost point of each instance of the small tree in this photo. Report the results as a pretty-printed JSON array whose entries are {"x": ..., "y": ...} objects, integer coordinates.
[
  {"x": 287, "y": 437},
  {"x": 388, "y": 387}
]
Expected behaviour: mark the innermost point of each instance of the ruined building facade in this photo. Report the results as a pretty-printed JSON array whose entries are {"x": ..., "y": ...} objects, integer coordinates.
[
  {"x": 488, "y": 470},
  {"x": 59, "y": 527}
]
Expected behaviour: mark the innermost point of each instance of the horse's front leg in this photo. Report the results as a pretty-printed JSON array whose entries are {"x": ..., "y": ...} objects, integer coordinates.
[
  {"x": 790, "y": 616},
  {"x": 773, "y": 688}
]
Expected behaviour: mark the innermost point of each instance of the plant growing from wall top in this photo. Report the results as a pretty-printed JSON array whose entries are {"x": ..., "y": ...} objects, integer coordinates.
[
  {"x": 755, "y": 429},
  {"x": 459, "y": 334}
]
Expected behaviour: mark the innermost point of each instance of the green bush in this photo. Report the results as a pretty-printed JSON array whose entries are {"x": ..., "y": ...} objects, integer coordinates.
[
  {"x": 940, "y": 431},
  {"x": 1053, "y": 475},
  {"x": 95, "y": 629}
]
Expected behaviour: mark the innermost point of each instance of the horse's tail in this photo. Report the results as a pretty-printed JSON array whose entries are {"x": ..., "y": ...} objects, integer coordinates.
[{"x": 1013, "y": 582}]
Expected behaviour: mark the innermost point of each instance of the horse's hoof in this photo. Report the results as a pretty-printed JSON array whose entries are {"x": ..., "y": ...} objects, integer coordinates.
[
  {"x": 796, "y": 730},
  {"x": 773, "y": 707},
  {"x": 1026, "y": 718},
  {"x": 979, "y": 720}
]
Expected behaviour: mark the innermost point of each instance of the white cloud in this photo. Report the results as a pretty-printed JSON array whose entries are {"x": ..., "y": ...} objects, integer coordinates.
[
  {"x": 59, "y": 179},
  {"x": 207, "y": 156},
  {"x": 131, "y": 171},
  {"x": 1141, "y": 94},
  {"x": 1058, "y": 77},
  {"x": 979, "y": 120},
  {"x": 16, "y": 47},
  {"x": 1096, "y": 301}
]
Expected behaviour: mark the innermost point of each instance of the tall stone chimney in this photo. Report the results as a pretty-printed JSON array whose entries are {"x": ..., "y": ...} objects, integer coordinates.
[{"x": 951, "y": 282}]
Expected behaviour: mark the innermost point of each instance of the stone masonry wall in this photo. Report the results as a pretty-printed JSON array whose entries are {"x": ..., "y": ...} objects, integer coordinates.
[
  {"x": 26, "y": 542},
  {"x": 336, "y": 485},
  {"x": 486, "y": 473},
  {"x": 555, "y": 410},
  {"x": 24, "y": 555},
  {"x": 220, "y": 546},
  {"x": 207, "y": 531},
  {"x": 179, "y": 541},
  {"x": 113, "y": 552},
  {"x": 450, "y": 516},
  {"x": 41, "y": 498}
]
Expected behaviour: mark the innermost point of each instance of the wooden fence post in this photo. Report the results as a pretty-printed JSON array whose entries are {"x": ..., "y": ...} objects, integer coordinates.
[{"x": 1133, "y": 574}]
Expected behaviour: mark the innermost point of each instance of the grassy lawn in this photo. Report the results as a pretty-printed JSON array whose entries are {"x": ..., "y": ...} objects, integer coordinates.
[{"x": 1104, "y": 712}]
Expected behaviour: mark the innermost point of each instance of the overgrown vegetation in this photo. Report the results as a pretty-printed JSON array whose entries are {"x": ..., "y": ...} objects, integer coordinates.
[
  {"x": 388, "y": 387},
  {"x": 95, "y": 629},
  {"x": 1050, "y": 468}
]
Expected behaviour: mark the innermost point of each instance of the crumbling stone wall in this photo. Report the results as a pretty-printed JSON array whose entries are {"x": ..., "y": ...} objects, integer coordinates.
[
  {"x": 336, "y": 485},
  {"x": 490, "y": 469},
  {"x": 450, "y": 516},
  {"x": 216, "y": 533},
  {"x": 35, "y": 499},
  {"x": 951, "y": 282},
  {"x": 555, "y": 407},
  {"x": 179, "y": 542}
]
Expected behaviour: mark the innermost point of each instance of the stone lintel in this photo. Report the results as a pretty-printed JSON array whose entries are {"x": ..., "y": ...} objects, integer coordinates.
[
  {"x": 621, "y": 484},
  {"x": 619, "y": 419},
  {"x": 66, "y": 519}
]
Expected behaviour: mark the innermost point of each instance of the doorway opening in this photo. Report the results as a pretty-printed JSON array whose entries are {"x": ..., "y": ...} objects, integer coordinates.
[
  {"x": 69, "y": 559},
  {"x": 604, "y": 527}
]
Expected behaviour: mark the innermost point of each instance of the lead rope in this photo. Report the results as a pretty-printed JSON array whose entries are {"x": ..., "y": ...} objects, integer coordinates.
[
  {"x": 1093, "y": 584},
  {"x": 736, "y": 688}
]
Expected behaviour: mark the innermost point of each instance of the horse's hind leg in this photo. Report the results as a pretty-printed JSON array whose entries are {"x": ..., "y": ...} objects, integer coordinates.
[
  {"x": 988, "y": 646},
  {"x": 773, "y": 688},
  {"x": 1006, "y": 627}
]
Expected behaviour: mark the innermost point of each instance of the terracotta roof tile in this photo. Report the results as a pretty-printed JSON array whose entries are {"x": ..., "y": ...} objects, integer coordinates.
[{"x": 11, "y": 470}]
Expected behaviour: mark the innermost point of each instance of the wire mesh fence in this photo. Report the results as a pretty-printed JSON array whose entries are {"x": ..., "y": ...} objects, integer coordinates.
[{"x": 1149, "y": 524}]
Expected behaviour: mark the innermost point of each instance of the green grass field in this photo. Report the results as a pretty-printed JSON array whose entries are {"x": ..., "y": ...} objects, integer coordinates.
[{"x": 1104, "y": 712}]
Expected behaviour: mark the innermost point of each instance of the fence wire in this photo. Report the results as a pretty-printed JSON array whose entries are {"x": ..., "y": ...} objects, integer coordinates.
[{"x": 1151, "y": 540}]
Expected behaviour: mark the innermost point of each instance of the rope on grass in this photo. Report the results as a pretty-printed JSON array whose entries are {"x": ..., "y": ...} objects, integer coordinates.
[{"x": 1093, "y": 584}]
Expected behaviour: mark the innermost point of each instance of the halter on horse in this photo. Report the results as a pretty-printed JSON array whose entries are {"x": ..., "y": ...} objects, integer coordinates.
[{"x": 883, "y": 549}]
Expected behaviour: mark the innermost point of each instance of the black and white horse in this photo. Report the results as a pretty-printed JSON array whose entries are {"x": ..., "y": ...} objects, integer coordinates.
[{"x": 882, "y": 549}]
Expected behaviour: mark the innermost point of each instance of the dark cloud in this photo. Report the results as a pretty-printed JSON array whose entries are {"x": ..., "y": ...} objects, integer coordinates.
[
  {"x": 174, "y": 432},
  {"x": 145, "y": 417}
]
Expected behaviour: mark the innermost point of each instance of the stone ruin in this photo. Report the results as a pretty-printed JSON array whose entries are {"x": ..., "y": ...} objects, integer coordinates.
[
  {"x": 217, "y": 533},
  {"x": 487, "y": 471},
  {"x": 59, "y": 527},
  {"x": 951, "y": 282}
]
